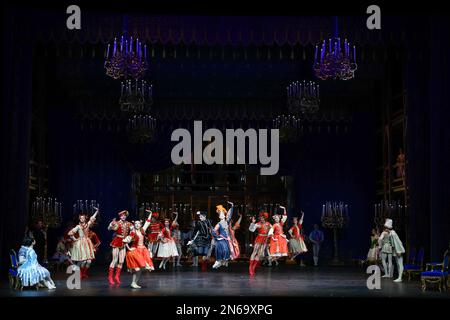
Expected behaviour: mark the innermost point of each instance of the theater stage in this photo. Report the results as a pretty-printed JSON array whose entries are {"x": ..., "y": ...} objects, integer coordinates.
[{"x": 285, "y": 280}]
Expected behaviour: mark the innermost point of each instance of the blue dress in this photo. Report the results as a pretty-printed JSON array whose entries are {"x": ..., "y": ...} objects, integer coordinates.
[
  {"x": 31, "y": 272},
  {"x": 222, "y": 237},
  {"x": 222, "y": 241}
]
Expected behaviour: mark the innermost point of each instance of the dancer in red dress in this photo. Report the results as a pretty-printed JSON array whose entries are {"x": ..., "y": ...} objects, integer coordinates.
[
  {"x": 138, "y": 256},
  {"x": 121, "y": 230},
  {"x": 236, "y": 251},
  {"x": 260, "y": 244},
  {"x": 296, "y": 243},
  {"x": 278, "y": 243}
]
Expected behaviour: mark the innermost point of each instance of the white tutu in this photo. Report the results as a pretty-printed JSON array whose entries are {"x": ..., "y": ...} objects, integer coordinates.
[
  {"x": 167, "y": 249},
  {"x": 297, "y": 246},
  {"x": 82, "y": 250}
]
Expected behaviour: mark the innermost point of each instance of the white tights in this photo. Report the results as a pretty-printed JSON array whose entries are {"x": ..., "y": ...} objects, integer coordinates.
[
  {"x": 118, "y": 257},
  {"x": 388, "y": 270}
]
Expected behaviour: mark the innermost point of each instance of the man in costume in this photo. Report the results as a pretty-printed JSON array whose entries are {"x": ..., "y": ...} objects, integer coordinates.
[
  {"x": 391, "y": 245},
  {"x": 121, "y": 230},
  {"x": 316, "y": 237},
  {"x": 155, "y": 229},
  {"x": 200, "y": 244}
]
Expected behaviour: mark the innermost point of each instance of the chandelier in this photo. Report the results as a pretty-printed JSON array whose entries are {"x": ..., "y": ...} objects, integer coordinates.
[
  {"x": 335, "y": 62},
  {"x": 136, "y": 96},
  {"x": 142, "y": 128},
  {"x": 127, "y": 59},
  {"x": 303, "y": 97},
  {"x": 288, "y": 126}
]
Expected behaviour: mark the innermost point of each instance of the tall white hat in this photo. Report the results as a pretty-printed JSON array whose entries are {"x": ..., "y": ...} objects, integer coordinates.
[{"x": 388, "y": 223}]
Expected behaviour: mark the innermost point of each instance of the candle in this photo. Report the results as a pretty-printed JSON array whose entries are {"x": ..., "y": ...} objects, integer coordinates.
[
  {"x": 315, "y": 55},
  {"x": 107, "y": 51},
  {"x": 145, "y": 52},
  {"x": 354, "y": 53}
]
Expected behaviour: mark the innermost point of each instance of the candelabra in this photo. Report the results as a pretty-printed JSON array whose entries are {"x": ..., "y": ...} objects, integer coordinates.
[
  {"x": 85, "y": 206},
  {"x": 335, "y": 217},
  {"x": 303, "y": 97},
  {"x": 142, "y": 128},
  {"x": 288, "y": 126},
  {"x": 127, "y": 59},
  {"x": 389, "y": 209},
  {"x": 335, "y": 62},
  {"x": 136, "y": 97},
  {"x": 47, "y": 210}
]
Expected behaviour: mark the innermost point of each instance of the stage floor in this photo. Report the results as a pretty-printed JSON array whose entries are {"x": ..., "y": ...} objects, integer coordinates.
[{"x": 285, "y": 280}]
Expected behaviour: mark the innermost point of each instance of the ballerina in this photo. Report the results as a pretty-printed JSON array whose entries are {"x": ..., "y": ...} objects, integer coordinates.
[
  {"x": 167, "y": 247},
  {"x": 223, "y": 245},
  {"x": 176, "y": 235},
  {"x": 30, "y": 272},
  {"x": 82, "y": 251},
  {"x": 296, "y": 243},
  {"x": 259, "y": 247},
  {"x": 236, "y": 251},
  {"x": 138, "y": 255},
  {"x": 278, "y": 242}
]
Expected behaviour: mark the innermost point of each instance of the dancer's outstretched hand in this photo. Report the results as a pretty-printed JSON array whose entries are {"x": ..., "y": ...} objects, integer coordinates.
[{"x": 230, "y": 203}]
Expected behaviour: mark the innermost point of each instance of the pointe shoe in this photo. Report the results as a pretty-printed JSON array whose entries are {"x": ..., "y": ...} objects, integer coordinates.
[
  {"x": 179, "y": 265},
  {"x": 386, "y": 276},
  {"x": 216, "y": 265},
  {"x": 398, "y": 280},
  {"x": 135, "y": 286}
]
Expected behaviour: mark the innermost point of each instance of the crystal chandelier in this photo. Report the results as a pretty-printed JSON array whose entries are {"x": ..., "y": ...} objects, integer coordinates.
[
  {"x": 136, "y": 96},
  {"x": 303, "y": 97},
  {"x": 126, "y": 59},
  {"x": 288, "y": 126},
  {"x": 142, "y": 128},
  {"x": 335, "y": 62}
]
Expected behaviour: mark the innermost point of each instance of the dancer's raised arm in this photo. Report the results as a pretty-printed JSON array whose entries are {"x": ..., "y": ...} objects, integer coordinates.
[{"x": 94, "y": 216}]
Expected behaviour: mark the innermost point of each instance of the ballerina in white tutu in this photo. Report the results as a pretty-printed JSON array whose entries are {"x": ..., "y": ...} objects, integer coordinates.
[
  {"x": 30, "y": 272},
  {"x": 296, "y": 243},
  {"x": 167, "y": 247}
]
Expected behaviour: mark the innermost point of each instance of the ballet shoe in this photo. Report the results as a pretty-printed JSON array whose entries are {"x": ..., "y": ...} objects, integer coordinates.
[{"x": 135, "y": 286}]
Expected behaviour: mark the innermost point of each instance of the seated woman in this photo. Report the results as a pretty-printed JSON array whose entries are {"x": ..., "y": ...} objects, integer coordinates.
[
  {"x": 30, "y": 272},
  {"x": 61, "y": 253}
]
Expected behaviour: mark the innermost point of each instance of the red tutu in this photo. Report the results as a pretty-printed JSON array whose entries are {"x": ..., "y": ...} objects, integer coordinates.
[{"x": 139, "y": 258}]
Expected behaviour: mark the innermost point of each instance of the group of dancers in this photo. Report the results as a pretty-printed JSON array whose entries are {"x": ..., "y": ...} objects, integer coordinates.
[
  {"x": 383, "y": 247},
  {"x": 163, "y": 242}
]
